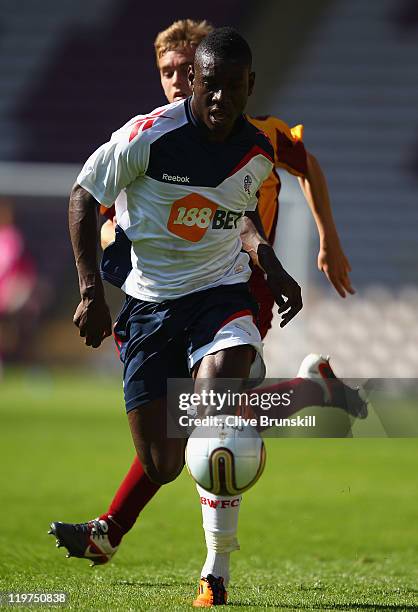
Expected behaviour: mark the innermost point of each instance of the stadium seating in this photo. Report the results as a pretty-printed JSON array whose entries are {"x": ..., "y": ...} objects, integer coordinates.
[{"x": 355, "y": 89}]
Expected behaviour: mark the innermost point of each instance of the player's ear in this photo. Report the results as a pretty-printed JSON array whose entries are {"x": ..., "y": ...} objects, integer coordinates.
[
  {"x": 190, "y": 76},
  {"x": 251, "y": 81}
]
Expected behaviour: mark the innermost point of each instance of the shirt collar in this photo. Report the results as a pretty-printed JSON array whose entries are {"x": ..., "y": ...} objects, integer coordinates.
[{"x": 238, "y": 127}]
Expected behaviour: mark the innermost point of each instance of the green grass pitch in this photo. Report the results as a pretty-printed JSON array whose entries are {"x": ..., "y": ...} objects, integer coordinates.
[{"x": 332, "y": 524}]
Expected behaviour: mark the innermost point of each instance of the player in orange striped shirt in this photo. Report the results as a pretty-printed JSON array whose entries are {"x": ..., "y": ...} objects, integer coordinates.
[{"x": 175, "y": 48}]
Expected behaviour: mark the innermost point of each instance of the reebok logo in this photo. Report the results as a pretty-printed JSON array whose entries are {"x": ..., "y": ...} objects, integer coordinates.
[{"x": 176, "y": 179}]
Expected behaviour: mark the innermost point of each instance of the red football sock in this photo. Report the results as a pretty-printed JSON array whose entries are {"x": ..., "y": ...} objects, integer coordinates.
[
  {"x": 133, "y": 494},
  {"x": 302, "y": 393}
]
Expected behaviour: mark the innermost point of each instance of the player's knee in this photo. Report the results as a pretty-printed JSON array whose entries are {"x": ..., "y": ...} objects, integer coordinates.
[
  {"x": 163, "y": 472},
  {"x": 161, "y": 476}
]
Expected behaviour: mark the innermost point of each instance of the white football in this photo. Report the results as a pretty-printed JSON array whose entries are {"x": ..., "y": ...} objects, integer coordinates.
[{"x": 225, "y": 460}]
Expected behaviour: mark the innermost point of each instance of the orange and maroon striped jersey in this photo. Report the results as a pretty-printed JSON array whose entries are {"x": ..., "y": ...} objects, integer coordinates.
[{"x": 289, "y": 154}]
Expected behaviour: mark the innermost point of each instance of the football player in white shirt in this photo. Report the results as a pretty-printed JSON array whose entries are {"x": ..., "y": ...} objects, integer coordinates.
[
  {"x": 181, "y": 315},
  {"x": 175, "y": 88}
]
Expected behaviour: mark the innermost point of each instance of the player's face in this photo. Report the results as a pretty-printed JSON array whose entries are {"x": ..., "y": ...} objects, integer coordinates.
[
  {"x": 173, "y": 67},
  {"x": 220, "y": 93}
]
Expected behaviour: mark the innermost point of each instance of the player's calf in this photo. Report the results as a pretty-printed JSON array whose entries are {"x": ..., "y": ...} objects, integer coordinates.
[{"x": 162, "y": 458}]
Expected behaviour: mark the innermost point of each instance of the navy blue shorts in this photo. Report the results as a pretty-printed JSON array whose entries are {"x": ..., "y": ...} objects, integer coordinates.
[{"x": 165, "y": 340}]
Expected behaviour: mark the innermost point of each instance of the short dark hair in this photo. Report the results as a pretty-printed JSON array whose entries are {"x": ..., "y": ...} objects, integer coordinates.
[{"x": 227, "y": 44}]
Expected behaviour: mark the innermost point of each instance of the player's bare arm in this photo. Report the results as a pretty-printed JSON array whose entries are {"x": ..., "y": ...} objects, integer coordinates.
[
  {"x": 262, "y": 254},
  {"x": 331, "y": 258},
  {"x": 92, "y": 315},
  {"x": 107, "y": 233}
]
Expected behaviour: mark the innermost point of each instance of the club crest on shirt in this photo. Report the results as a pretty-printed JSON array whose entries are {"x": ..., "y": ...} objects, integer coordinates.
[{"x": 247, "y": 184}]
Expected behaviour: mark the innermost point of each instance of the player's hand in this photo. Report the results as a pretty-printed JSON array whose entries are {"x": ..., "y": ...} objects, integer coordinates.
[
  {"x": 287, "y": 294},
  {"x": 286, "y": 291},
  {"x": 92, "y": 317},
  {"x": 336, "y": 267}
]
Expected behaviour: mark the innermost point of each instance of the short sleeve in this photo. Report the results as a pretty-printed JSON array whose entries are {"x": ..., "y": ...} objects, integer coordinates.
[
  {"x": 290, "y": 152},
  {"x": 252, "y": 204},
  {"x": 114, "y": 166},
  {"x": 265, "y": 171}
]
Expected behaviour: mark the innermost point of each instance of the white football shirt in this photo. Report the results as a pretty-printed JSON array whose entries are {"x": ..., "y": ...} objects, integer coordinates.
[{"x": 181, "y": 199}]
